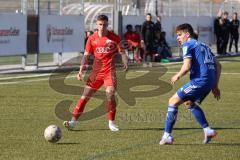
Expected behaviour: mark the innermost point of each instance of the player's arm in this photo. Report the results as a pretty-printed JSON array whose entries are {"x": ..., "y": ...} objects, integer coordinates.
[
  {"x": 85, "y": 58},
  {"x": 121, "y": 50},
  {"x": 187, "y": 62},
  {"x": 216, "y": 90},
  {"x": 83, "y": 65},
  {"x": 124, "y": 59}
]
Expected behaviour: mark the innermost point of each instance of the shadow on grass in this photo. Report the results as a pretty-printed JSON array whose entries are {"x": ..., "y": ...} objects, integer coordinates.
[
  {"x": 67, "y": 143},
  {"x": 210, "y": 144},
  {"x": 121, "y": 129},
  {"x": 150, "y": 129}
]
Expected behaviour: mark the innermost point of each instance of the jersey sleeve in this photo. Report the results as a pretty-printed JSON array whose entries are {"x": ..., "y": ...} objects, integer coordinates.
[
  {"x": 88, "y": 47},
  {"x": 186, "y": 52}
]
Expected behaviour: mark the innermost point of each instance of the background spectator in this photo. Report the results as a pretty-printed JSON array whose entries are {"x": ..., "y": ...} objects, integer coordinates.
[
  {"x": 234, "y": 32},
  {"x": 148, "y": 36}
]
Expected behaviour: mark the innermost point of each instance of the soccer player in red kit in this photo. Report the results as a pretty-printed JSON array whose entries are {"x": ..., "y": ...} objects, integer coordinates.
[
  {"x": 105, "y": 45},
  {"x": 133, "y": 39}
]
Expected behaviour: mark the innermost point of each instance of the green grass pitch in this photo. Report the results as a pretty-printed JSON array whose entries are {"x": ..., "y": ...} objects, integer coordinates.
[{"x": 27, "y": 107}]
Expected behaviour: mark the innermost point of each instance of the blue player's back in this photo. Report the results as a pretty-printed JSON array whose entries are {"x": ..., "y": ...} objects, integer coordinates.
[{"x": 203, "y": 68}]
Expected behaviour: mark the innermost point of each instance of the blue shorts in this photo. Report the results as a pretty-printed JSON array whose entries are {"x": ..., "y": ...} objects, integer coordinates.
[{"x": 193, "y": 92}]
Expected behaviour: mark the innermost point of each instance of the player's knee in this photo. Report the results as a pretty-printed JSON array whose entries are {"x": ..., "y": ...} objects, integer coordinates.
[
  {"x": 85, "y": 97},
  {"x": 110, "y": 92},
  {"x": 174, "y": 101}
]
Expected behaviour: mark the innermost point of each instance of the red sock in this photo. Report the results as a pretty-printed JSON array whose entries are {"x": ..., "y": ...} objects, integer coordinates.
[
  {"x": 111, "y": 110},
  {"x": 137, "y": 56},
  {"x": 78, "y": 110}
]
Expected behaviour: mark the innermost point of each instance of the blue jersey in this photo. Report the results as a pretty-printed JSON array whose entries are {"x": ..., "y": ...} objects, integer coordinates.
[{"x": 203, "y": 68}]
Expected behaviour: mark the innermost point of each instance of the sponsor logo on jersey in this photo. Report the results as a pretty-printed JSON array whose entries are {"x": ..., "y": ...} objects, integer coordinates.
[{"x": 189, "y": 89}]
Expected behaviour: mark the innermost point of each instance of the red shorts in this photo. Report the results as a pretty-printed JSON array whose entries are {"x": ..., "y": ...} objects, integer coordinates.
[{"x": 95, "y": 81}]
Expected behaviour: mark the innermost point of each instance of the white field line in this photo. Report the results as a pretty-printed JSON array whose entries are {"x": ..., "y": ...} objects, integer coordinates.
[
  {"x": 29, "y": 76},
  {"x": 177, "y": 72},
  {"x": 73, "y": 76}
]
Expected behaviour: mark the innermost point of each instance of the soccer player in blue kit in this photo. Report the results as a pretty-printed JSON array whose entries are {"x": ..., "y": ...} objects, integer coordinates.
[{"x": 205, "y": 72}]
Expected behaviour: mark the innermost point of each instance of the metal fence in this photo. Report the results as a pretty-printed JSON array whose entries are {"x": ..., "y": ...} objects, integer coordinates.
[
  {"x": 128, "y": 7},
  {"x": 91, "y": 8}
]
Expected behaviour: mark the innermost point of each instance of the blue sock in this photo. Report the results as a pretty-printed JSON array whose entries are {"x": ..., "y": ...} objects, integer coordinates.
[
  {"x": 171, "y": 118},
  {"x": 199, "y": 115}
]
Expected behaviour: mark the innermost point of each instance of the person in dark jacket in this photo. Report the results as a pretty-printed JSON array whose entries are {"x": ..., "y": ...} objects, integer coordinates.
[
  {"x": 225, "y": 32},
  {"x": 217, "y": 31},
  {"x": 234, "y": 32},
  {"x": 147, "y": 38},
  {"x": 158, "y": 25}
]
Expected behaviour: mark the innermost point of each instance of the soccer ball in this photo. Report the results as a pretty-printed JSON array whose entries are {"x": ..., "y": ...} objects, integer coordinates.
[{"x": 52, "y": 133}]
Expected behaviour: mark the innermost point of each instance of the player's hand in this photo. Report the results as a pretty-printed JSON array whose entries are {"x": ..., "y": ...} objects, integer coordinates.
[
  {"x": 80, "y": 75},
  {"x": 142, "y": 43},
  {"x": 216, "y": 92},
  {"x": 174, "y": 79}
]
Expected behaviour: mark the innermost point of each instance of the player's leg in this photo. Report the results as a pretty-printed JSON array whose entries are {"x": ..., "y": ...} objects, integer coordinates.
[
  {"x": 111, "y": 107},
  {"x": 200, "y": 117},
  {"x": 171, "y": 118},
  {"x": 86, "y": 96},
  {"x": 92, "y": 85},
  {"x": 110, "y": 83},
  {"x": 79, "y": 108},
  {"x": 147, "y": 55},
  {"x": 137, "y": 55}
]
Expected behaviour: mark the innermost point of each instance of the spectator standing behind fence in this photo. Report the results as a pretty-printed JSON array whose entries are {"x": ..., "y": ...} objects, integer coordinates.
[
  {"x": 158, "y": 25},
  {"x": 148, "y": 36},
  {"x": 234, "y": 32},
  {"x": 225, "y": 31}
]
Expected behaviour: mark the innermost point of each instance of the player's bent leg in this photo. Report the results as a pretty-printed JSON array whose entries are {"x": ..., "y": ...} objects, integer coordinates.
[
  {"x": 171, "y": 118},
  {"x": 86, "y": 96},
  {"x": 111, "y": 107},
  {"x": 201, "y": 119},
  {"x": 79, "y": 108}
]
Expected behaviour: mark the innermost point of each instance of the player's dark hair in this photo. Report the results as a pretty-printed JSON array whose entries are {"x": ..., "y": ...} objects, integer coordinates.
[
  {"x": 185, "y": 28},
  {"x": 102, "y": 18},
  {"x": 195, "y": 35},
  {"x": 129, "y": 26},
  {"x": 149, "y": 14}
]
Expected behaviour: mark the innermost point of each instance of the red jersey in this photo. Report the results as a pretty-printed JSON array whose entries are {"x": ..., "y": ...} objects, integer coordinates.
[
  {"x": 133, "y": 38},
  {"x": 104, "y": 49}
]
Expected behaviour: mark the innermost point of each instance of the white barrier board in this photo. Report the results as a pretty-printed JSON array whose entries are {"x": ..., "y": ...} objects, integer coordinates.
[
  {"x": 61, "y": 33},
  {"x": 13, "y": 34}
]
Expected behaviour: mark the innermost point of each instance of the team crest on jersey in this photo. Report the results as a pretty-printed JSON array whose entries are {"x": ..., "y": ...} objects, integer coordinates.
[{"x": 184, "y": 49}]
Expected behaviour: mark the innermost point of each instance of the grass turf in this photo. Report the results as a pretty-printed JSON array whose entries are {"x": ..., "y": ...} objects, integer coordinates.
[{"x": 28, "y": 107}]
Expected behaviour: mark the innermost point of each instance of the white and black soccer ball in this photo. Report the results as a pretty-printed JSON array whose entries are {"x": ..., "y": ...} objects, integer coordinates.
[{"x": 52, "y": 133}]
